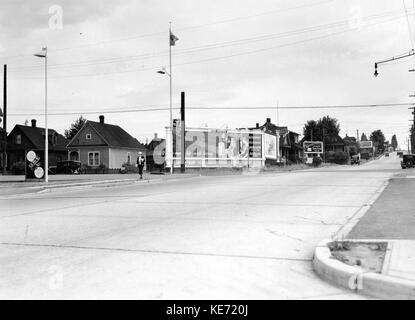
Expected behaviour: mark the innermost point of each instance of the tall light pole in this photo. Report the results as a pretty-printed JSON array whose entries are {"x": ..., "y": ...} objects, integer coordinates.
[
  {"x": 164, "y": 71},
  {"x": 44, "y": 54}
]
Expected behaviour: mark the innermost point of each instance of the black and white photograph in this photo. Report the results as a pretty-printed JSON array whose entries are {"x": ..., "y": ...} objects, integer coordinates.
[{"x": 205, "y": 155}]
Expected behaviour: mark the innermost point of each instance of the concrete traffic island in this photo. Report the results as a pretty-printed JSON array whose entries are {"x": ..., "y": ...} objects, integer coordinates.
[{"x": 395, "y": 279}]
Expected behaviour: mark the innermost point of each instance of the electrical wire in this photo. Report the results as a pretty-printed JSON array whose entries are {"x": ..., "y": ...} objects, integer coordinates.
[
  {"x": 215, "y": 58},
  {"x": 219, "y": 45},
  {"x": 219, "y": 108}
]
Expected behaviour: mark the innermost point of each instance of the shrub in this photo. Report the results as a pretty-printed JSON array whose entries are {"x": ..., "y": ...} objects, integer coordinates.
[
  {"x": 317, "y": 161},
  {"x": 330, "y": 156},
  {"x": 19, "y": 167},
  {"x": 341, "y": 157}
]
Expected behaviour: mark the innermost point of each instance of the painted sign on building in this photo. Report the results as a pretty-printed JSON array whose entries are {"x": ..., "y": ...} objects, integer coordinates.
[{"x": 217, "y": 147}]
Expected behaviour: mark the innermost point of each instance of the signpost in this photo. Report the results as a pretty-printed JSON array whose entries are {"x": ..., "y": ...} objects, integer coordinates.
[
  {"x": 35, "y": 165},
  {"x": 313, "y": 148}
]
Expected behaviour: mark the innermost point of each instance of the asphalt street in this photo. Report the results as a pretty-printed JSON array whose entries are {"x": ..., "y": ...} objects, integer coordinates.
[{"x": 234, "y": 237}]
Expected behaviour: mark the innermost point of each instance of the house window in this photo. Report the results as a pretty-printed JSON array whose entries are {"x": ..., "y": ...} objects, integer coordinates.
[
  {"x": 19, "y": 139},
  {"x": 93, "y": 159},
  {"x": 128, "y": 157},
  {"x": 88, "y": 136}
]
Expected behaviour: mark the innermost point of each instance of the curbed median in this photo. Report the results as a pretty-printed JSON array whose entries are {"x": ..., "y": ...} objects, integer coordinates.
[{"x": 358, "y": 279}]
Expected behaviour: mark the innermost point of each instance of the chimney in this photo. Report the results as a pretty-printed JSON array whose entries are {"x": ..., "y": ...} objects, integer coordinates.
[
  {"x": 268, "y": 120},
  {"x": 257, "y": 126},
  {"x": 155, "y": 136},
  {"x": 33, "y": 123},
  {"x": 101, "y": 119}
]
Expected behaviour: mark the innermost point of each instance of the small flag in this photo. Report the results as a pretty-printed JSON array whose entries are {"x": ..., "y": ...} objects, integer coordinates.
[
  {"x": 173, "y": 39},
  {"x": 42, "y": 54}
]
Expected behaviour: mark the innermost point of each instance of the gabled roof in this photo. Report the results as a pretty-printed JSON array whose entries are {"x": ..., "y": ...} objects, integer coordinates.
[
  {"x": 36, "y": 136},
  {"x": 114, "y": 136}
]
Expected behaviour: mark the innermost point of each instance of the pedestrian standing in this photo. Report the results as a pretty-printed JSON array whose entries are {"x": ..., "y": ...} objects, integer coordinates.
[{"x": 140, "y": 164}]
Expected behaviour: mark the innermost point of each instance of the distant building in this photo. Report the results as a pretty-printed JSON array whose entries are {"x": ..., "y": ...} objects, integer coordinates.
[
  {"x": 24, "y": 138},
  {"x": 156, "y": 153},
  {"x": 101, "y": 144},
  {"x": 288, "y": 142},
  {"x": 352, "y": 147},
  {"x": 334, "y": 143},
  {"x": 3, "y": 136}
]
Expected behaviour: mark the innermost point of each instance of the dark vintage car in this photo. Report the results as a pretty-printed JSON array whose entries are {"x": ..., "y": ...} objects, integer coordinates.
[
  {"x": 408, "y": 161},
  {"x": 66, "y": 167}
]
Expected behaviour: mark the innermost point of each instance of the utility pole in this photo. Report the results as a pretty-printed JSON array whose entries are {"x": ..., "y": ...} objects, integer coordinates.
[
  {"x": 5, "y": 120},
  {"x": 183, "y": 134},
  {"x": 412, "y": 135}
]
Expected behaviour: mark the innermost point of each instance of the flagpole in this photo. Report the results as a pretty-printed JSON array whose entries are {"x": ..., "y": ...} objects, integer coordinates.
[{"x": 171, "y": 103}]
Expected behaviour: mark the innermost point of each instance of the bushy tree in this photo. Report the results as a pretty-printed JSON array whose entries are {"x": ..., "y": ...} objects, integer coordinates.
[
  {"x": 324, "y": 127},
  {"x": 75, "y": 127},
  {"x": 378, "y": 139},
  {"x": 394, "y": 142}
]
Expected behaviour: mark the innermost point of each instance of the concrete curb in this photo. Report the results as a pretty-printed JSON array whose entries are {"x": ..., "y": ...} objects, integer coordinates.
[
  {"x": 80, "y": 185},
  {"x": 355, "y": 279}
]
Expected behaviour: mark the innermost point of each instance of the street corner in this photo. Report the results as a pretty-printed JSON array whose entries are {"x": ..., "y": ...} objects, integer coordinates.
[{"x": 377, "y": 268}]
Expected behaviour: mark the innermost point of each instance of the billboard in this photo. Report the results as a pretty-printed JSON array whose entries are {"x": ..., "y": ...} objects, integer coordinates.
[
  {"x": 35, "y": 164},
  {"x": 271, "y": 146},
  {"x": 313, "y": 146},
  {"x": 365, "y": 144},
  {"x": 221, "y": 147}
]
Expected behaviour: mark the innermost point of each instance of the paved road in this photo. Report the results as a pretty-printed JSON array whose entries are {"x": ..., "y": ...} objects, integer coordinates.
[{"x": 233, "y": 237}]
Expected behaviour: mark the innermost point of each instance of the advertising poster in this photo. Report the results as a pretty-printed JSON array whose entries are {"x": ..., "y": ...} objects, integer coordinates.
[{"x": 270, "y": 146}]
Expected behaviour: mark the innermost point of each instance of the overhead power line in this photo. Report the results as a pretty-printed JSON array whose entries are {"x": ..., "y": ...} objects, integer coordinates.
[
  {"x": 218, "y": 45},
  {"x": 220, "y": 57},
  {"x": 221, "y": 108},
  {"x": 198, "y": 26}
]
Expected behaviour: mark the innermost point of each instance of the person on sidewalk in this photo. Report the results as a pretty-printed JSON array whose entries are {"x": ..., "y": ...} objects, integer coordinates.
[{"x": 140, "y": 164}]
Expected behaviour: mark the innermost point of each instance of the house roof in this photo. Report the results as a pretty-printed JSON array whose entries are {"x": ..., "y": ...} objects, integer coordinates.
[
  {"x": 36, "y": 136},
  {"x": 115, "y": 136}
]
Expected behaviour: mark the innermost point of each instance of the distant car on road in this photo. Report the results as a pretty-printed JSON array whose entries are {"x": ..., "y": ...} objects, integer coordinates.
[
  {"x": 66, "y": 167},
  {"x": 408, "y": 161},
  {"x": 387, "y": 154}
]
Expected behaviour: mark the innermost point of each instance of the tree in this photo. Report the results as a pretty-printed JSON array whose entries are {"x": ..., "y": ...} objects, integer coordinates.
[
  {"x": 75, "y": 127},
  {"x": 364, "y": 138},
  {"x": 310, "y": 131},
  {"x": 328, "y": 126},
  {"x": 378, "y": 139},
  {"x": 394, "y": 142},
  {"x": 318, "y": 130}
]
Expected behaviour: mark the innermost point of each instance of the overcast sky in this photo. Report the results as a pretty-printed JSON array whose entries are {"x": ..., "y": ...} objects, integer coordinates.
[{"x": 104, "y": 56}]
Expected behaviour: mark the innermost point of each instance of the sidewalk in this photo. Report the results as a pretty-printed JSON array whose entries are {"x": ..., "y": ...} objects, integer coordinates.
[
  {"x": 390, "y": 219},
  {"x": 16, "y": 185}
]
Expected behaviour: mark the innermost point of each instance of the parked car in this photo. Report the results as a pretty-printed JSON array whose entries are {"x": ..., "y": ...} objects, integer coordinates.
[
  {"x": 408, "y": 161},
  {"x": 66, "y": 167},
  {"x": 387, "y": 154}
]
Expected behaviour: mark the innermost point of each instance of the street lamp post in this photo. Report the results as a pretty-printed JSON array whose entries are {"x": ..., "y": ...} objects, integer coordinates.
[
  {"x": 164, "y": 71},
  {"x": 44, "y": 54}
]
